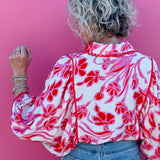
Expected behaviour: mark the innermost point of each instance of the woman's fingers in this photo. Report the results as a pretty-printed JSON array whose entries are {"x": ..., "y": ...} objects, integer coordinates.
[
  {"x": 20, "y": 60},
  {"x": 29, "y": 53},
  {"x": 21, "y": 51},
  {"x": 24, "y": 50},
  {"x": 17, "y": 50}
]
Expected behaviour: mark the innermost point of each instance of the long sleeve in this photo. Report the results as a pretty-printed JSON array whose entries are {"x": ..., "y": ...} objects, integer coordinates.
[
  {"x": 49, "y": 118},
  {"x": 150, "y": 146}
]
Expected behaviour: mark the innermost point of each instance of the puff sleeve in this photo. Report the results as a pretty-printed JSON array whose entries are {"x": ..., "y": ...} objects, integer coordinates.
[
  {"x": 150, "y": 145},
  {"x": 49, "y": 118}
]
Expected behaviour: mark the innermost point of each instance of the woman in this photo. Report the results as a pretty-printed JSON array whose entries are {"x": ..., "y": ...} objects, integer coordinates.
[{"x": 99, "y": 103}]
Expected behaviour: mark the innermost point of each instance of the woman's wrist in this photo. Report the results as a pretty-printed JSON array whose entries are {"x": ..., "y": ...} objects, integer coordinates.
[
  {"x": 19, "y": 73},
  {"x": 20, "y": 90},
  {"x": 19, "y": 79},
  {"x": 20, "y": 84}
]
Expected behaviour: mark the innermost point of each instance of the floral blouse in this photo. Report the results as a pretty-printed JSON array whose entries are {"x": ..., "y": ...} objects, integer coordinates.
[{"x": 108, "y": 92}]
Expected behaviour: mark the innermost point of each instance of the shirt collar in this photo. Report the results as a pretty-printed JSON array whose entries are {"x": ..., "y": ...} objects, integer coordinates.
[{"x": 109, "y": 50}]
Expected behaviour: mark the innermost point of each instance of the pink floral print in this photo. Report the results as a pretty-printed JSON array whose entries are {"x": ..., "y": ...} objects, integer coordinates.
[
  {"x": 120, "y": 108},
  {"x": 50, "y": 123},
  {"x": 104, "y": 119},
  {"x": 107, "y": 92},
  {"x": 92, "y": 77},
  {"x": 98, "y": 96},
  {"x": 81, "y": 66},
  {"x": 113, "y": 89},
  {"x": 82, "y": 111}
]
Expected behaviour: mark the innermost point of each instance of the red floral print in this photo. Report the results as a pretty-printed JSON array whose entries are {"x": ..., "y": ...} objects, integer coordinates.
[
  {"x": 50, "y": 97},
  {"x": 92, "y": 77},
  {"x": 157, "y": 152},
  {"x": 103, "y": 118},
  {"x": 113, "y": 89},
  {"x": 99, "y": 96},
  {"x": 146, "y": 146},
  {"x": 60, "y": 144},
  {"x": 151, "y": 120},
  {"x": 82, "y": 111},
  {"x": 54, "y": 87},
  {"x": 86, "y": 139},
  {"x": 120, "y": 108},
  {"x": 50, "y": 110},
  {"x": 81, "y": 66},
  {"x": 89, "y": 49},
  {"x": 65, "y": 73},
  {"x": 57, "y": 68},
  {"x": 50, "y": 123},
  {"x": 40, "y": 99},
  {"x": 139, "y": 98},
  {"x": 127, "y": 117},
  {"x": 130, "y": 130},
  {"x": 53, "y": 90},
  {"x": 20, "y": 130},
  {"x": 72, "y": 144},
  {"x": 64, "y": 123},
  {"x": 135, "y": 82},
  {"x": 18, "y": 118}
]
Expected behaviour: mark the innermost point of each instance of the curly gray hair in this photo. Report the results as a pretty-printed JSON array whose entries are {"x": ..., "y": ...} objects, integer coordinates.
[{"x": 97, "y": 18}]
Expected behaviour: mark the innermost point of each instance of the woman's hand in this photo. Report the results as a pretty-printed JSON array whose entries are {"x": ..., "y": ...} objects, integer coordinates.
[{"x": 20, "y": 60}]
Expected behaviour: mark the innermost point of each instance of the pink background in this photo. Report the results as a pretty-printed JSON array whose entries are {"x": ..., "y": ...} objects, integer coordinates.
[{"x": 42, "y": 26}]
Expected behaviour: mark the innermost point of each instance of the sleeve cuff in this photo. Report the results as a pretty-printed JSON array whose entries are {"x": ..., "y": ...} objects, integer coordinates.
[{"x": 20, "y": 95}]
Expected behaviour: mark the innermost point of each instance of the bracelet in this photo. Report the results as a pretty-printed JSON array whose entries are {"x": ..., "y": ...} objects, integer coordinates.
[
  {"x": 17, "y": 79},
  {"x": 19, "y": 76},
  {"x": 21, "y": 86}
]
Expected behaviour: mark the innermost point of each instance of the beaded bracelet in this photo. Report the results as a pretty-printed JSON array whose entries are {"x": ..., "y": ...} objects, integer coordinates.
[
  {"x": 17, "y": 79},
  {"x": 21, "y": 86}
]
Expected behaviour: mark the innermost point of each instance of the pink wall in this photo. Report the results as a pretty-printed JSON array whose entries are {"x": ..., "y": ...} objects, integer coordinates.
[{"x": 42, "y": 26}]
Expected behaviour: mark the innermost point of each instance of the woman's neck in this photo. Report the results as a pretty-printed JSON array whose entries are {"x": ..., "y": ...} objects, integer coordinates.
[{"x": 110, "y": 40}]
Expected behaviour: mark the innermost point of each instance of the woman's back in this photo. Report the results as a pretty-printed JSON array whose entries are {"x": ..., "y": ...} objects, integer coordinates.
[{"x": 110, "y": 92}]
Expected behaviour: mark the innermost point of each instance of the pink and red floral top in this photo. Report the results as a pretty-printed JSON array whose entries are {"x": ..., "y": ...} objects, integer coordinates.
[{"x": 108, "y": 92}]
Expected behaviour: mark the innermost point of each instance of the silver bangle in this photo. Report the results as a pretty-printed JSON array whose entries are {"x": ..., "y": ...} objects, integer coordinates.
[
  {"x": 19, "y": 79},
  {"x": 21, "y": 86}
]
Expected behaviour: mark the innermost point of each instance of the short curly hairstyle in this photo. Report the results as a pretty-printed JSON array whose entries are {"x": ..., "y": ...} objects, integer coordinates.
[{"x": 97, "y": 18}]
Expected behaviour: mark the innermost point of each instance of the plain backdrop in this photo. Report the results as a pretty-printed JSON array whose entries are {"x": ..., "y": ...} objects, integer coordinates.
[{"x": 42, "y": 26}]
